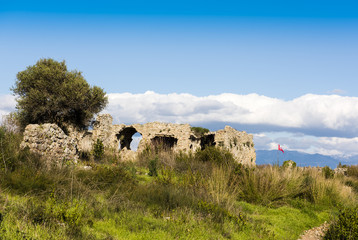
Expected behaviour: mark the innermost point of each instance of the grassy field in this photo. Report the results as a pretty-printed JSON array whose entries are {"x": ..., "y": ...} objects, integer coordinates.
[{"x": 204, "y": 195}]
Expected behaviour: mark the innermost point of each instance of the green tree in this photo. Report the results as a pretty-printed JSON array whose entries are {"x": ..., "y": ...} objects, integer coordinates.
[{"x": 48, "y": 93}]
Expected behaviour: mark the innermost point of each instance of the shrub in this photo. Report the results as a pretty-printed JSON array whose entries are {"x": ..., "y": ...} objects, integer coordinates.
[
  {"x": 341, "y": 166},
  {"x": 199, "y": 131},
  {"x": 353, "y": 183},
  {"x": 215, "y": 155},
  {"x": 352, "y": 171},
  {"x": 289, "y": 163},
  {"x": 98, "y": 150},
  {"x": 327, "y": 172},
  {"x": 346, "y": 227},
  {"x": 153, "y": 165}
]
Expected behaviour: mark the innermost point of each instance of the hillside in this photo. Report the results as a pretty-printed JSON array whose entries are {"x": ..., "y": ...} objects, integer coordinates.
[
  {"x": 302, "y": 159},
  {"x": 164, "y": 195}
]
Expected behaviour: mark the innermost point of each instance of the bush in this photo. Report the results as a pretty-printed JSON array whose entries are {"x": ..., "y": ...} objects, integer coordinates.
[
  {"x": 327, "y": 172},
  {"x": 98, "y": 150},
  {"x": 153, "y": 165},
  {"x": 352, "y": 171},
  {"x": 215, "y": 155},
  {"x": 346, "y": 227},
  {"x": 289, "y": 163},
  {"x": 199, "y": 131}
]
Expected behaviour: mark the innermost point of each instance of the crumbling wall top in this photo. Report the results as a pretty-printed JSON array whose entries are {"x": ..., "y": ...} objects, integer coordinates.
[{"x": 49, "y": 138}]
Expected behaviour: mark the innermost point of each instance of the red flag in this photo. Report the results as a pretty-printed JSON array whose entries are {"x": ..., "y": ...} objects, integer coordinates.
[{"x": 280, "y": 148}]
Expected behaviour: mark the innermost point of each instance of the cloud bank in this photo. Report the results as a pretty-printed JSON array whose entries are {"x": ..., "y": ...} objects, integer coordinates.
[
  {"x": 325, "y": 124},
  {"x": 333, "y": 146},
  {"x": 316, "y": 113},
  {"x": 7, "y": 104}
]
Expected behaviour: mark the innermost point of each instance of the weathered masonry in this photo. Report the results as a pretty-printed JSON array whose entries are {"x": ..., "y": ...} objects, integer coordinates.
[{"x": 49, "y": 139}]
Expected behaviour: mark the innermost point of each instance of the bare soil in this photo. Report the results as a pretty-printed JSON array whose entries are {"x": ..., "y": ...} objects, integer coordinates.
[{"x": 316, "y": 233}]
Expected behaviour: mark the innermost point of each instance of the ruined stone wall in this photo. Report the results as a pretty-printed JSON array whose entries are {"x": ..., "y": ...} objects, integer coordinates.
[
  {"x": 177, "y": 137},
  {"x": 240, "y": 144},
  {"x": 51, "y": 142}
]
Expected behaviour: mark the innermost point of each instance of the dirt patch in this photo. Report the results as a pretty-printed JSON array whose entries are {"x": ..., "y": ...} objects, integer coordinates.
[{"x": 316, "y": 233}]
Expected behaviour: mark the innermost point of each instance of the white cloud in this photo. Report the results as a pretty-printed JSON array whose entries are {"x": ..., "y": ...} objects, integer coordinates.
[
  {"x": 310, "y": 111},
  {"x": 337, "y": 146},
  {"x": 7, "y": 105}
]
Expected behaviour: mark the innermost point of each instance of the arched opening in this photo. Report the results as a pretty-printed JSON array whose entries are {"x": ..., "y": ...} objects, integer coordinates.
[
  {"x": 137, "y": 137},
  {"x": 126, "y": 136},
  {"x": 164, "y": 142},
  {"x": 207, "y": 141}
]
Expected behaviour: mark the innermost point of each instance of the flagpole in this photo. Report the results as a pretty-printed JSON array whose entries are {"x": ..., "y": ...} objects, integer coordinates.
[{"x": 278, "y": 162}]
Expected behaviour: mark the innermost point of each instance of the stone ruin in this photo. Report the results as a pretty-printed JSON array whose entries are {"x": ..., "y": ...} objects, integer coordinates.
[{"x": 50, "y": 140}]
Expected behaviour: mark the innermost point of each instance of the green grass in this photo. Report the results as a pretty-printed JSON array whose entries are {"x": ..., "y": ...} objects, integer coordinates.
[
  {"x": 285, "y": 222},
  {"x": 204, "y": 195}
]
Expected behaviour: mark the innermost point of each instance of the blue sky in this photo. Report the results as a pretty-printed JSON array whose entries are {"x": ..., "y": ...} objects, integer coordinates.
[{"x": 279, "y": 50}]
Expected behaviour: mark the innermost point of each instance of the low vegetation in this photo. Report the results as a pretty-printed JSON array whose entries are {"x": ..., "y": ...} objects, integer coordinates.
[
  {"x": 199, "y": 131},
  {"x": 166, "y": 195}
]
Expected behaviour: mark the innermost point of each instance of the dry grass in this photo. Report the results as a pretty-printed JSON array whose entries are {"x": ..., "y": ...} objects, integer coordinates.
[
  {"x": 221, "y": 189},
  {"x": 274, "y": 185}
]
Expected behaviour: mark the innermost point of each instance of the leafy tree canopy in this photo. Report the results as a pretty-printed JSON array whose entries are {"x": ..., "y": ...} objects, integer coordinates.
[{"x": 49, "y": 93}]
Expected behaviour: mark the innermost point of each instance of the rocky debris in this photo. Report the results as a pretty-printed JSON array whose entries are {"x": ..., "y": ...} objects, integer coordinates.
[
  {"x": 87, "y": 168},
  {"x": 51, "y": 140},
  {"x": 341, "y": 171},
  {"x": 316, "y": 233}
]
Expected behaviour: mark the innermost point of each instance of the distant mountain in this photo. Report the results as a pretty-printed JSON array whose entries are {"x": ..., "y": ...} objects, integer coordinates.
[{"x": 302, "y": 159}]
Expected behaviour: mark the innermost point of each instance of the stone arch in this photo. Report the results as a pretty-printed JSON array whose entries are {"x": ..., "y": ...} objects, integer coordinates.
[{"x": 125, "y": 137}]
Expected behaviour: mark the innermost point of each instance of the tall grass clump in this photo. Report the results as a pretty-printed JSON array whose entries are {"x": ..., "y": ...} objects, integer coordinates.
[
  {"x": 9, "y": 149},
  {"x": 329, "y": 192},
  {"x": 273, "y": 185},
  {"x": 269, "y": 185}
]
